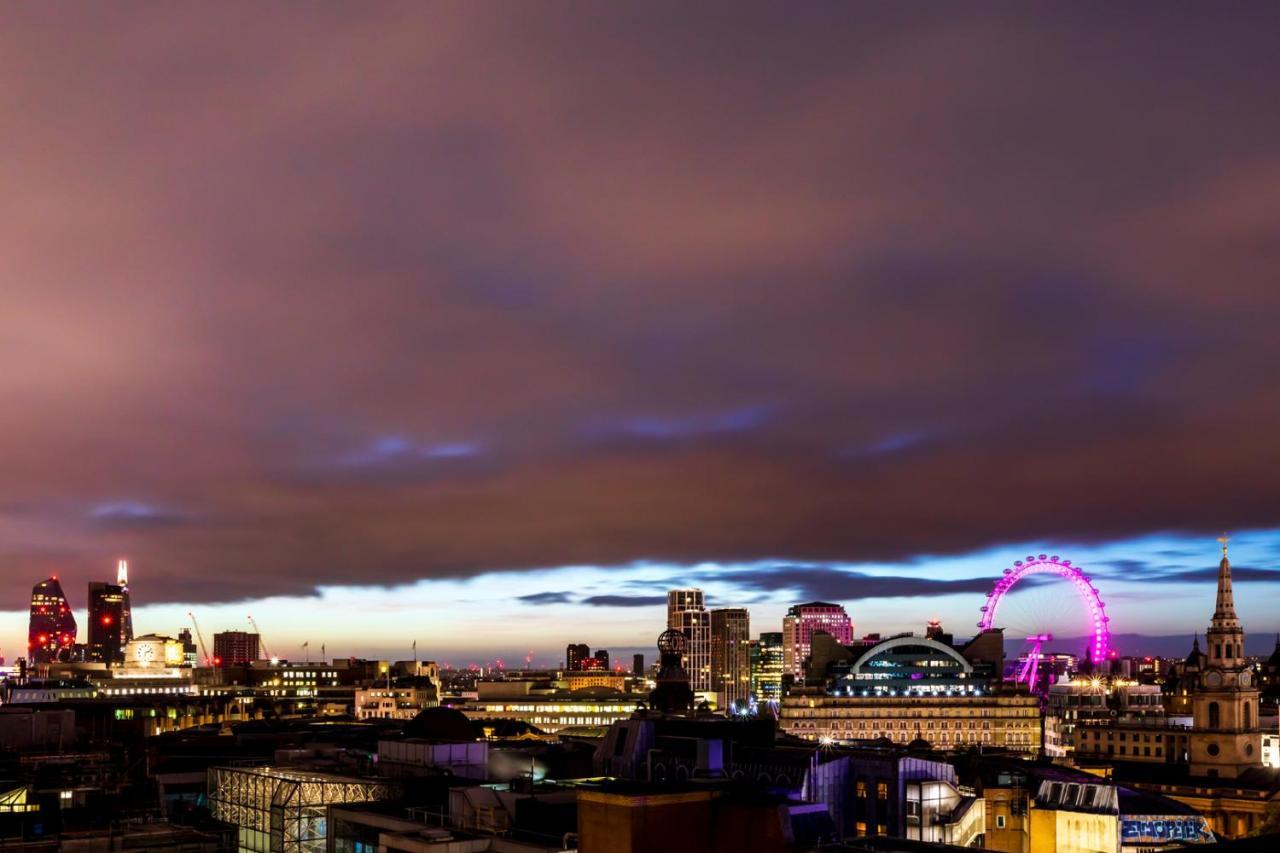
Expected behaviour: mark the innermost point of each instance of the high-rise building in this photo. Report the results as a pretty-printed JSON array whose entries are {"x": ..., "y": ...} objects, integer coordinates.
[
  {"x": 637, "y": 662},
  {"x": 683, "y": 599},
  {"x": 51, "y": 631},
  {"x": 766, "y": 667},
  {"x": 731, "y": 655},
  {"x": 235, "y": 647},
  {"x": 798, "y": 627},
  {"x": 602, "y": 655},
  {"x": 189, "y": 656},
  {"x": 106, "y": 623},
  {"x": 126, "y": 609},
  {"x": 687, "y": 613},
  {"x": 1225, "y": 740},
  {"x": 574, "y": 655}
]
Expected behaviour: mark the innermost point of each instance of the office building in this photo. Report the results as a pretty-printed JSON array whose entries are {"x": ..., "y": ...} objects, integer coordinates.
[
  {"x": 910, "y": 688},
  {"x": 106, "y": 623},
  {"x": 766, "y": 667},
  {"x": 799, "y": 625},
  {"x": 683, "y": 599},
  {"x": 687, "y": 613},
  {"x": 946, "y": 722},
  {"x": 574, "y": 655},
  {"x": 637, "y": 664},
  {"x": 235, "y": 648},
  {"x": 404, "y": 699},
  {"x": 602, "y": 658},
  {"x": 189, "y": 649},
  {"x": 731, "y": 656},
  {"x": 51, "y": 630}
]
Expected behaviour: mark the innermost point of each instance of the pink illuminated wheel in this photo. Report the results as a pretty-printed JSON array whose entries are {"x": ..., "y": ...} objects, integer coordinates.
[{"x": 1037, "y": 610}]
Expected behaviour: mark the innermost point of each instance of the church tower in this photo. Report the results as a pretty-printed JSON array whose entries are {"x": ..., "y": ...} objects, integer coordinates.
[{"x": 1225, "y": 739}]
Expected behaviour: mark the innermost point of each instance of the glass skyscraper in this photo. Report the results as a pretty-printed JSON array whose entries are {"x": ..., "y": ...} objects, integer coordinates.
[{"x": 51, "y": 631}]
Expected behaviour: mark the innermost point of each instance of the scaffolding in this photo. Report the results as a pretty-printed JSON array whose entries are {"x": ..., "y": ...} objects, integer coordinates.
[{"x": 283, "y": 810}]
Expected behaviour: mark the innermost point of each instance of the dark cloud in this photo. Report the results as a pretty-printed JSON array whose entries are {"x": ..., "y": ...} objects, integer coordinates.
[
  {"x": 625, "y": 600},
  {"x": 842, "y": 585},
  {"x": 546, "y": 598},
  {"x": 1239, "y": 574},
  {"x": 729, "y": 282}
]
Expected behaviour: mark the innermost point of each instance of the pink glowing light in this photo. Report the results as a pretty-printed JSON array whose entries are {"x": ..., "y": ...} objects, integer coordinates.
[{"x": 1100, "y": 644}]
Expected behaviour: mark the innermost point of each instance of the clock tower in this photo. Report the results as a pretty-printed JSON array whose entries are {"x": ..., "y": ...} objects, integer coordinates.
[{"x": 1225, "y": 739}]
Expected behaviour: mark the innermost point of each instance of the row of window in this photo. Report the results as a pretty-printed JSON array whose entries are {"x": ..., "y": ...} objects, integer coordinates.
[{"x": 864, "y": 725}]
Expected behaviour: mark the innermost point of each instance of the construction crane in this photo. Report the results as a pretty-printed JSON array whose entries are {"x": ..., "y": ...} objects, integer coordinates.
[
  {"x": 204, "y": 652},
  {"x": 262, "y": 641}
]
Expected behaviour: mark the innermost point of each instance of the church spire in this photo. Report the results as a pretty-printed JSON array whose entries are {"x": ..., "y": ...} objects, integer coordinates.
[{"x": 1224, "y": 614}]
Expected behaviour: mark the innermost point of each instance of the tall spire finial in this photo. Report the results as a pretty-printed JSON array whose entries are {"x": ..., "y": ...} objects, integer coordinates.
[{"x": 1224, "y": 614}]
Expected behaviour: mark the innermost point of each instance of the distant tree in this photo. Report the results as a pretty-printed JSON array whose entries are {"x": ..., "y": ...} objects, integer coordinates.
[{"x": 1270, "y": 821}]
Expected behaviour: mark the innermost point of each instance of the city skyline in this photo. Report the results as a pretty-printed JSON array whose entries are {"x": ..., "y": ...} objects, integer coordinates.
[
  {"x": 625, "y": 622},
  {"x": 851, "y": 304}
]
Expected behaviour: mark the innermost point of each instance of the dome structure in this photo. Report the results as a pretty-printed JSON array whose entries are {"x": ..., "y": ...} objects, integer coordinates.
[
  {"x": 440, "y": 724},
  {"x": 673, "y": 642}
]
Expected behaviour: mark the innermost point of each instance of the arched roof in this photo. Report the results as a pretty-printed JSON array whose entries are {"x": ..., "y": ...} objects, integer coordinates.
[{"x": 897, "y": 642}]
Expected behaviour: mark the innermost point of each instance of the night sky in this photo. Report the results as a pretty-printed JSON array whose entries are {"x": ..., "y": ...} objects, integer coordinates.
[{"x": 485, "y": 325}]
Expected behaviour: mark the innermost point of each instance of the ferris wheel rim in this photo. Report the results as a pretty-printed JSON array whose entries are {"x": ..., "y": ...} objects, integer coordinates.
[{"x": 1100, "y": 644}]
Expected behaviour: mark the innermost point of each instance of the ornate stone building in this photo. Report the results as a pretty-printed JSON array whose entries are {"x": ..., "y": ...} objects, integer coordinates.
[
  {"x": 1225, "y": 739},
  {"x": 1223, "y": 777}
]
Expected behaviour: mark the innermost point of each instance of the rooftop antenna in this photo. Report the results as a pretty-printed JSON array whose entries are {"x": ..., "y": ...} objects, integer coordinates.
[{"x": 122, "y": 573}]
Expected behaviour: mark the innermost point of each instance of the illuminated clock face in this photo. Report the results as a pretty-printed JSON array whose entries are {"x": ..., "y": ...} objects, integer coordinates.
[
  {"x": 145, "y": 653},
  {"x": 1212, "y": 678},
  {"x": 1244, "y": 679}
]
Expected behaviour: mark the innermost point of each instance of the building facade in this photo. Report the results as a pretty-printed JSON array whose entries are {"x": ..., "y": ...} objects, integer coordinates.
[
  {"x": 574, "y": 655},
  {"x": 766, "y": 667},
  {"x": 1218, "y": 769},
  {"x": 1011, "y": 721},
  {"x": 236, "y": 648},
  {"x": 400, "y": 701},
  {"x": 51, "y": 629},
  {"x": 798, "y": 626},
  {"x": 126, "y": 607},
  {"x": 154, "y": 651},
  {"x": 731, "y": 656},
  {"x": 1225, "y": 740},
  {"x": 687, "y": 613},
  {"x": 107, "y": 627}
]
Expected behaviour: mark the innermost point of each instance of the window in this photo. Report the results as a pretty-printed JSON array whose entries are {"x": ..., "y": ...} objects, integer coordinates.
[
  {"x": 860, "y": 789},
  {"x": 1215, "y": 715},
  {"x": 1000, "y": 820},
  {"x": 1248, "y": 716},
  {"x": 882, "y": 791},
  {"x": 861, "y": 827}
]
